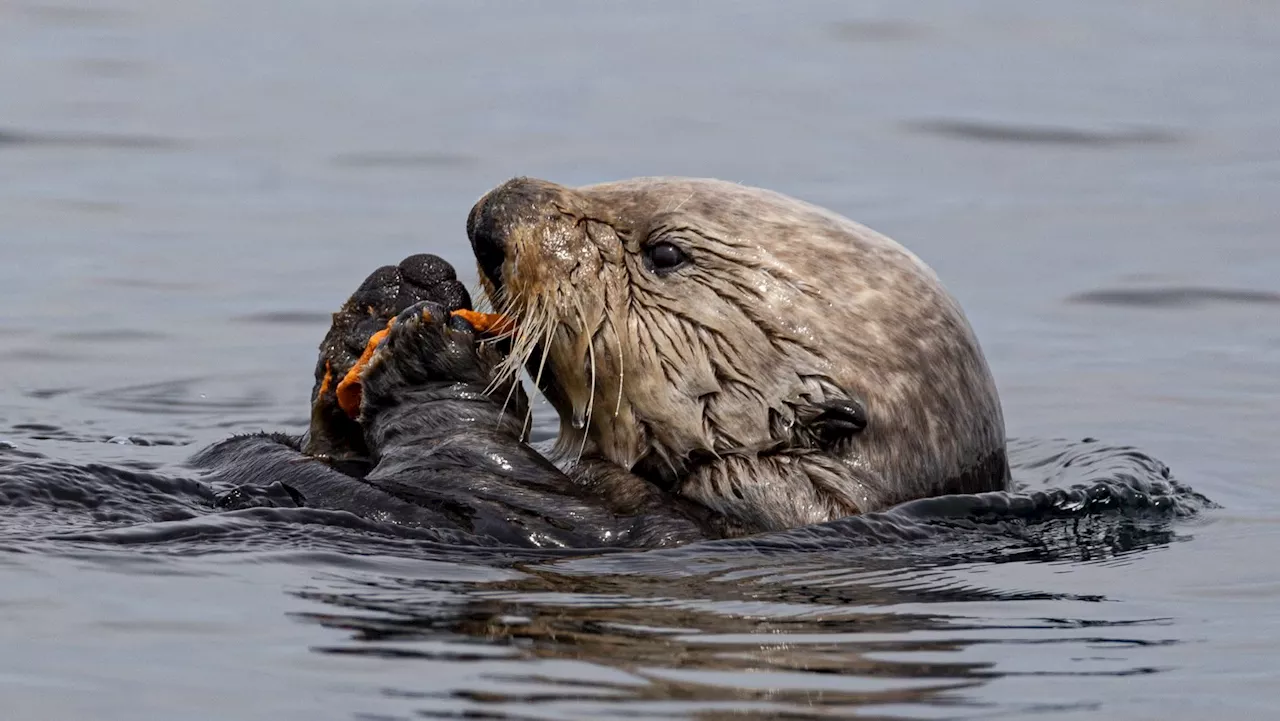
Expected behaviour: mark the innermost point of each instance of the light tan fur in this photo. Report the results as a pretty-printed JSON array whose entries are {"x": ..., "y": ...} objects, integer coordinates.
[{"x": 702, "y": 374}]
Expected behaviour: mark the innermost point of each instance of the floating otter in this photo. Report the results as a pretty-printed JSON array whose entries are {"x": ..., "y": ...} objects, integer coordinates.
[{"x": 725, "y": 360}]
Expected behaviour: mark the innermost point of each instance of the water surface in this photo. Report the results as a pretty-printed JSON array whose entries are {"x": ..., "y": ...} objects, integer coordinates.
[{"x": 188, "y": 189}]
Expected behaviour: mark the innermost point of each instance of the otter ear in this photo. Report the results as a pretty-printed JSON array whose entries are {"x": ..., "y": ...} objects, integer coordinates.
[{"x": 830, "y": 422}]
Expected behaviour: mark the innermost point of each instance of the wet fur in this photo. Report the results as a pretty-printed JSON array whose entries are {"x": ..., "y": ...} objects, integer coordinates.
[
  {"x": 690, "y": 405},
  {"x": 445, "y": 455},
  {"x": 700, "y": 380}
]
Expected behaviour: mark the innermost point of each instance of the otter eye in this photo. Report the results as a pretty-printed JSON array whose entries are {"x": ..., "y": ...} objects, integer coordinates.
[{"x": 663, "y": 257}]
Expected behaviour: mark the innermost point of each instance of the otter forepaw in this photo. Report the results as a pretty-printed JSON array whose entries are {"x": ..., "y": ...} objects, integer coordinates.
[
  {"x": 384, "y": 294},
  {"x": 427, "y": 343}
]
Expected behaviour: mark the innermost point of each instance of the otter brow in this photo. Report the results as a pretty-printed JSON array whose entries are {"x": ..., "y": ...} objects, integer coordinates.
[
  {"x": 773, "y": 271},
  {"x": 661, "y": 230}
]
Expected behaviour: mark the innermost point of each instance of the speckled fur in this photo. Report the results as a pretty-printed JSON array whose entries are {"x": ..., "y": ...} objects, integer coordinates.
[{"x": 700, "y": 376}]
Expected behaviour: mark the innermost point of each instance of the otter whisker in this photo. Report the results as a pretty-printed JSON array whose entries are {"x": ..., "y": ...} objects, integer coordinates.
[
  {"x": 546, "y": 350},
  {"x": 533, "y": 320},
  {"x": 478, "y": 291},
  {"x": 504, "y": 371},
  {"x": 591, "y": 354},
  {"x": 524, "y": 340},
  {"x": 548, "y": 334},
  {"x": 513, "y": 383},
  {"x": 509, "y": 370},
  {"x": 621, "y": 354},
  {"x": 544, "y": 321}
]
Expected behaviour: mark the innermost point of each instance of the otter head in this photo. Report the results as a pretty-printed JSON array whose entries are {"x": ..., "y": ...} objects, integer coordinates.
[{"x": 770, "y": 359}]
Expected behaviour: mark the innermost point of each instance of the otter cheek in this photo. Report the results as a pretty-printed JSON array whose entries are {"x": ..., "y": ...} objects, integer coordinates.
[
  {"x": 665, "y": 420},
  {"x": 571, "y": 386}
]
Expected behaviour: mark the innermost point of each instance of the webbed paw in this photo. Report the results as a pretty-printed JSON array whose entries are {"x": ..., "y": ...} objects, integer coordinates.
[
  {"x": 384, "y": 294},
  {"x": 426, "y": 343}
]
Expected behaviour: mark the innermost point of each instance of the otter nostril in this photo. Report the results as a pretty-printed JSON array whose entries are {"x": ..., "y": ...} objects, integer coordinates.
[{"x": 486, "y": 240}]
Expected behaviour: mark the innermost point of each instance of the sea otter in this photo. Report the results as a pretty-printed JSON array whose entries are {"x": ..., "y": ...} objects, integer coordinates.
[{"x": 725, "y": 360}]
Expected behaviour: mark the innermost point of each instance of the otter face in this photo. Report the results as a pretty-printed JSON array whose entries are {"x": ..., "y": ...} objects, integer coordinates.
[{"x": 766, "y": 357}]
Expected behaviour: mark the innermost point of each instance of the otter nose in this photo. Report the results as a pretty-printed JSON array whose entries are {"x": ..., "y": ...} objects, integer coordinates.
[
  {"x": 487, "y": 239},
  {"x": 493, "y": 218}
]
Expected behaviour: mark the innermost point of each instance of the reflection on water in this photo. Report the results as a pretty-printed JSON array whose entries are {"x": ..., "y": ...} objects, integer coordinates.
[
  {"x": 826, "y": 650},
  {"x": 689, "y": 643},
  {"x": 827, "y": 634},
  {"x": 188, "y": 190}
]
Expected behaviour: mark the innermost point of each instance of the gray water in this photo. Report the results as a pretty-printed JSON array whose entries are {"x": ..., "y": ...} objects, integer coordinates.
[{"x": 187, "y": 189}]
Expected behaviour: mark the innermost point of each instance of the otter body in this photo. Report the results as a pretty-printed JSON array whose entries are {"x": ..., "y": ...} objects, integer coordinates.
[{"x": 725, "y": 360}]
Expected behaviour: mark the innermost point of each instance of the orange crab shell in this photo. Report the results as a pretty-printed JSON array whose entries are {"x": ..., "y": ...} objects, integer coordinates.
[{"x": 348, "y": 390}]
